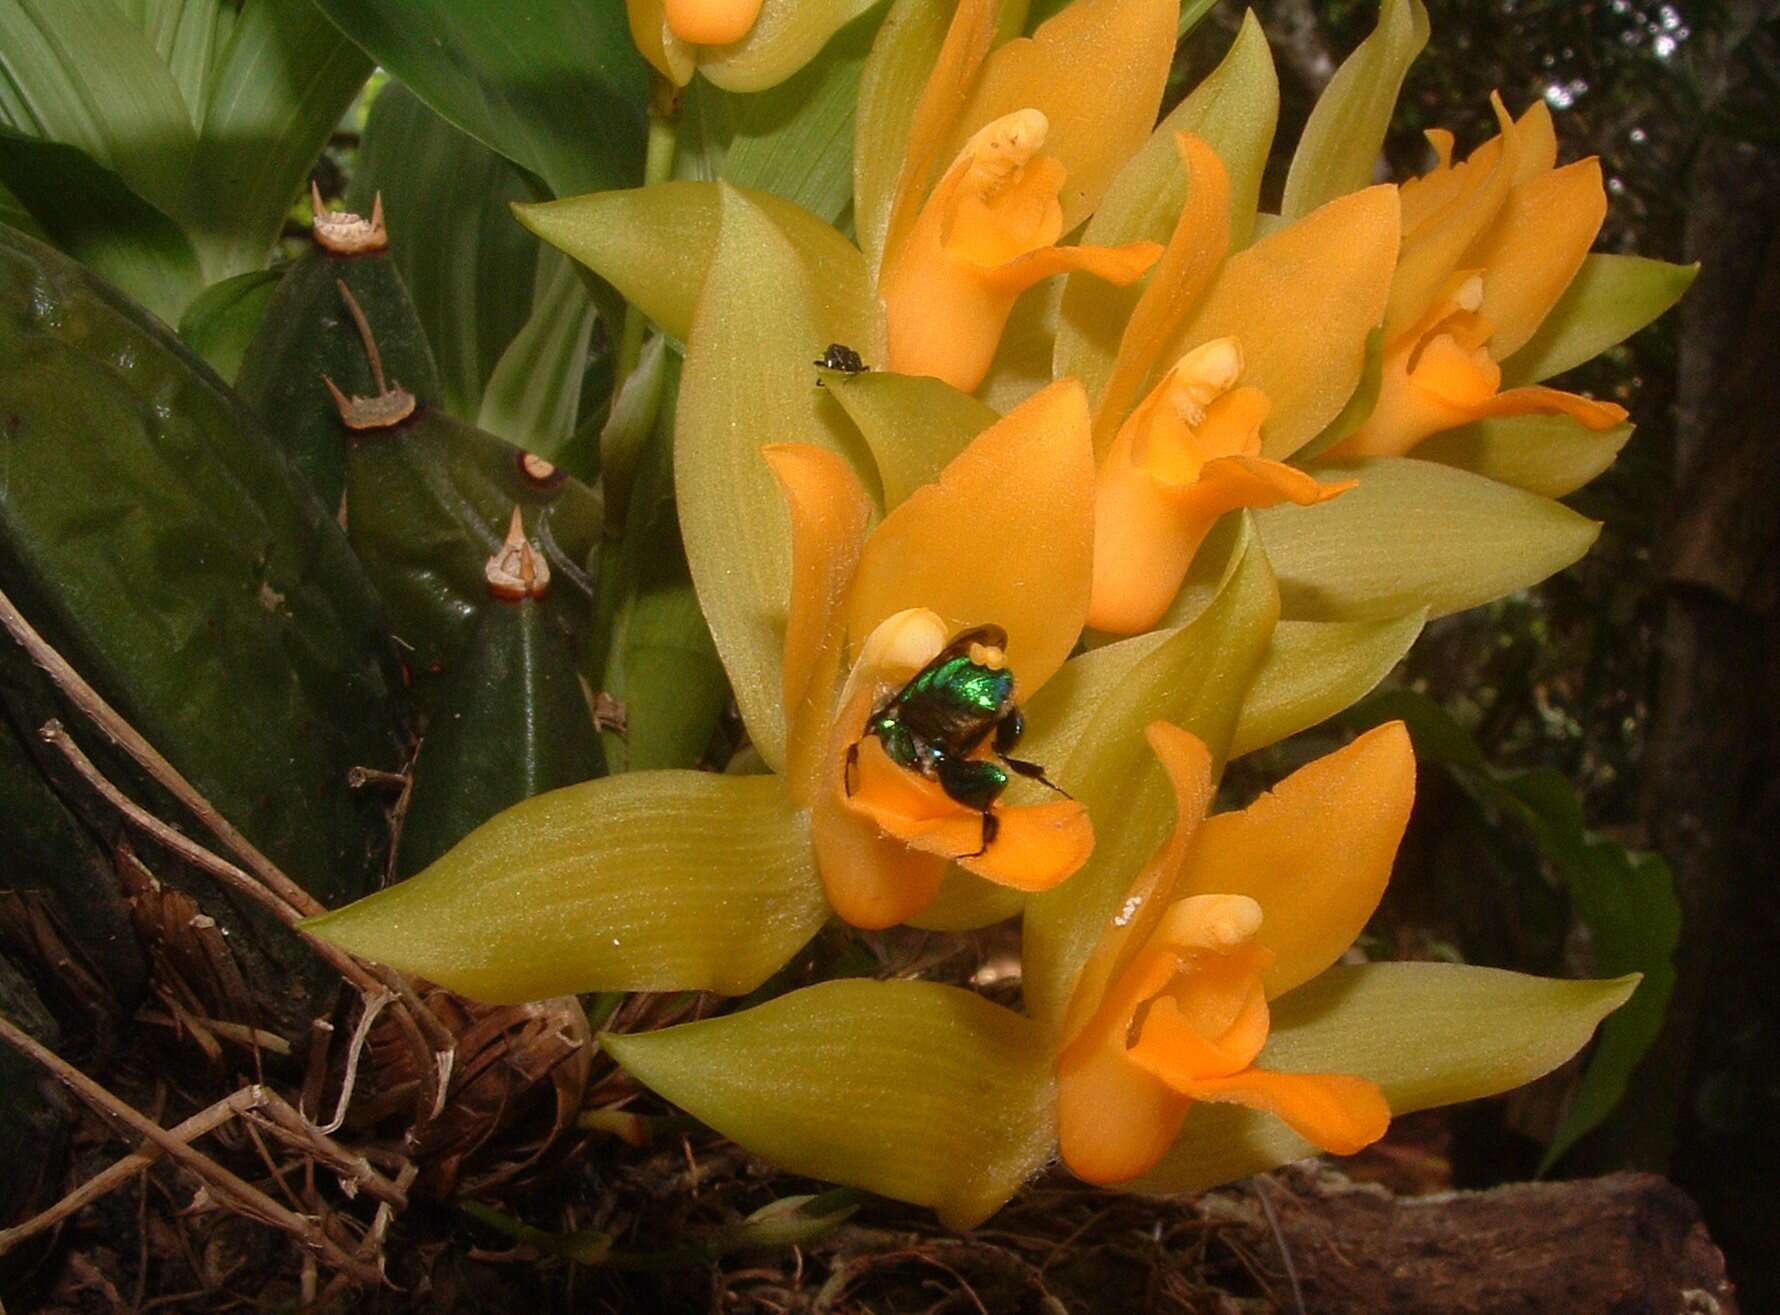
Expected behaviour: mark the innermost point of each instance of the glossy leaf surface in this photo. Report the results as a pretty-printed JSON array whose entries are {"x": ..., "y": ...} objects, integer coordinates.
[
  {"x": 467, "y": 265},
  {"x": 557, "y": 88}
]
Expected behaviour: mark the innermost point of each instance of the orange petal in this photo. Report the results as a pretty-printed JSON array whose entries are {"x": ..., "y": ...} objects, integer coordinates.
[
  {"x": 829, "y": 513},
  {"x": 937, "y": 114},
  {"x": 1143, "y": 544},
  {"x": 1034, "y": 847},
  {"x": 872, "y": 880},
  {"x": 1196, "y": 247},
  {"x": 1301, "y": 302},
  {"x": 1183, "y": 1055},
  {"x": 1538, "y": 142},
  {"x": 1114, "y": 1121},
  {"x": 1534, "y": 249},
  {"x": 1228, "y": 483},
  {"x": 1147, "y": 532},
  {"x": 711, "y": 22},
  {"x": 1315, "y": 853},
  {"x": 1004, "y": 536},
  {"x": 1188, "y": 763},
  {"x": 1332, "y": 1111},
  {"x": 1471, "y": 196},
  {"x": 1407, "y": 413},
  {"x": 1066, "y": 69},
  {"x": 1120, "y": 266}
]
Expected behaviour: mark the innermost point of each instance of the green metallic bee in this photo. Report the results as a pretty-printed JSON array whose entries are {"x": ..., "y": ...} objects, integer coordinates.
[{"x": 933, "y": 725}]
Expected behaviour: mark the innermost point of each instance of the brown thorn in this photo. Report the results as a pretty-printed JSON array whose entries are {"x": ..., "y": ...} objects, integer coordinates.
[
  {"x": 244, "y": 1196},
  {"x": 364, "y": 334}
]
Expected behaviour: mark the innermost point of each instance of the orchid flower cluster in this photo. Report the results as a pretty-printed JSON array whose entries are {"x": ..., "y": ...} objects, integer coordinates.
[{"x": 1141, "y": 478}]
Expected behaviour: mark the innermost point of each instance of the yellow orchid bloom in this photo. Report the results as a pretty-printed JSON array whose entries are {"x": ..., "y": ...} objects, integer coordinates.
[
  {"x": 1231, "y": 911},
  {"x": 1489, "y": 246},
  {"x": 1192, "y": 450},
  {"x": 741, "y": 45},
  {"x": 884, "y": 834},
  {"x": 1032, "y": 150}
]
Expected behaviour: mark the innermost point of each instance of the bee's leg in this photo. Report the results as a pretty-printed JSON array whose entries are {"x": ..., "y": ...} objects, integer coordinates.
[
  {"x": 975, "y": 784},
  {"x": 1033, "y": 772},
  {"x": 991, "y": 828},
  {"x": 847, "y": 771}
]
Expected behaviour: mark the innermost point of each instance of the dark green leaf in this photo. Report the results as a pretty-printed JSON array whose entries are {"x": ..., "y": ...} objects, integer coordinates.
[
  {"x": 467, "y": 262},
  {"x": 512, "y": 723},
  {"x": 152, "y": 532},
  {"x": 221, "y": 323},
  {"x": 91, "y": 213},
  {"x": 556, "y": 86}
]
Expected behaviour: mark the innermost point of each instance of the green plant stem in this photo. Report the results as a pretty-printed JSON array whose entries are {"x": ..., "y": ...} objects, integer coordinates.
[{"x": 658, "y": 167}]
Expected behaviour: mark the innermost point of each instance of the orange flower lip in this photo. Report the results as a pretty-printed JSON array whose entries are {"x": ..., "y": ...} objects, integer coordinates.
[
  {"x": 1172, "y": 1006},
  {"x": 1029, "y": 847},
  {"x": 1489, "y": 246},
  {"x": 1190, "y": 453},
  {"x": 1014, "y": 507},
  {"x": 985, "y": 235}
]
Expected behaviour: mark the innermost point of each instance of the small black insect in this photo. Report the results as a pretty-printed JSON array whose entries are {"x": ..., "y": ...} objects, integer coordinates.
[
  {"x": 838, "y": 356},
  {"x": 934, "y": 723}
]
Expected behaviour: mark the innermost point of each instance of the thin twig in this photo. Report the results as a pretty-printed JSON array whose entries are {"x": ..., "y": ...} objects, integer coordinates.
[
  {"x": 1279, "y": 1237},
  {"x": 373, "y": 1006},
  {"x": 245, "y": 1197},
  {"x": 128, "y": 1167},
  {"x": 127, "y": 738},
  {"x": 420, "y": 1023},
  {"x": 56, "y": 735}
]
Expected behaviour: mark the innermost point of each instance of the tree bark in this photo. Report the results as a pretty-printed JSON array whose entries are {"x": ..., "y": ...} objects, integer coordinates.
[{"x": 1708, "y": 797}]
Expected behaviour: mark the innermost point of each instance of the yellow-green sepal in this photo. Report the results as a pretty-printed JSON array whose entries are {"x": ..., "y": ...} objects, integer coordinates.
[
  {"x": 1551, "y": 455},
  {"x": 1315, "y": 669},
  {"x": 1428, "y": 1033},
  {"x": 914, "y": 1090},
  {"x": 913, "y": 425},
  {"x": 896, "y": 72},
  {"x": 787, "y": 35},
  {"x": 1609, "y": 300},
  {"x": 764, "y": 315},
  {"x": 655, "y": 244},
  {"x": 1414, "y": 535},
  {"x": 651, "y": 881},
  {"x": 1196, "y": 678},
  {"x": 1340, "y": 145}
]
